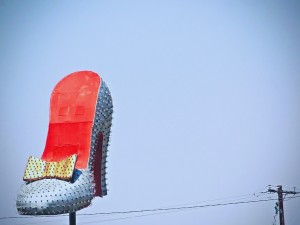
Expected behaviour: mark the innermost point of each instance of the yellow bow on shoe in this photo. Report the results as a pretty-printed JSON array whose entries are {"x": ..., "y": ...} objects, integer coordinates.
[{"x": 37, "y": 169}]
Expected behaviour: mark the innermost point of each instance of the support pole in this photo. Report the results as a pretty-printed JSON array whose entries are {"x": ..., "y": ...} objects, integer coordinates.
[{"x": 72, "y": 218}]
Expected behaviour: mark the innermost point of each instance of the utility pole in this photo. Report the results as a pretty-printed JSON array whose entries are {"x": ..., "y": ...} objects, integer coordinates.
[{"x": 280, "y": 193}]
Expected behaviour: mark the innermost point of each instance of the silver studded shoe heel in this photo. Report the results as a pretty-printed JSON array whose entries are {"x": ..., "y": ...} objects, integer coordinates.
[{"x": 72, "y": 169}]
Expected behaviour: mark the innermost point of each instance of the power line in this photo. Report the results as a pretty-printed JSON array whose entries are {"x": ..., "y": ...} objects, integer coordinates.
[
  {"x": 162, "y": 210},
  {"x": 238, "y": 197},
  {"x": 182, "y": 208},
  {"x": 165, "y": 212}
]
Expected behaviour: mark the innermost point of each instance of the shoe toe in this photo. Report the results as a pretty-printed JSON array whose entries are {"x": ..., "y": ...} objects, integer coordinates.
[{"x": 53, "y": 196}]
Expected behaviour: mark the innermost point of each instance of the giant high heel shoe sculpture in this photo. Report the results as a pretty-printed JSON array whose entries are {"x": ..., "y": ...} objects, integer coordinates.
[{"x": 72, "y": 169}]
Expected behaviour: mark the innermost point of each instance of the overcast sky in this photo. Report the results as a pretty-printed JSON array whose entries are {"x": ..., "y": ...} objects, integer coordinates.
[{"x": 206, "y": 102}]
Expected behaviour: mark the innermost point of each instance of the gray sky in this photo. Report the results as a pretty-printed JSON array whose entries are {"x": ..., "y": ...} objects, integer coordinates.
[{"x": 206, "y": 98}]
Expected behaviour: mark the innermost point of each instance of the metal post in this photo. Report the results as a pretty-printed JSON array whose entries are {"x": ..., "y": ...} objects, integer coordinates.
[{"x": 72, "y": 218}]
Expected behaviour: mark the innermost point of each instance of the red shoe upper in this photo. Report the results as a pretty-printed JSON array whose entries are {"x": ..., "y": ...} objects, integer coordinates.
[{"x": 72, "y": 111}]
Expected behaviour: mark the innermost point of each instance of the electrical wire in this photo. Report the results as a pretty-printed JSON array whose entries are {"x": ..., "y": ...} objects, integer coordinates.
[
  {"x": 256, "y": 195},
  {"x": 178, "y": 208},
  {"x": 163, "y": 211},
  {"x": 157, "y": 211},
  {"x": 237, "y": 197}
]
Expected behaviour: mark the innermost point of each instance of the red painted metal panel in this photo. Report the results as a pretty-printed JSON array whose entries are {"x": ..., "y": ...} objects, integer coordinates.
[{"x": 72, "y": 110}]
